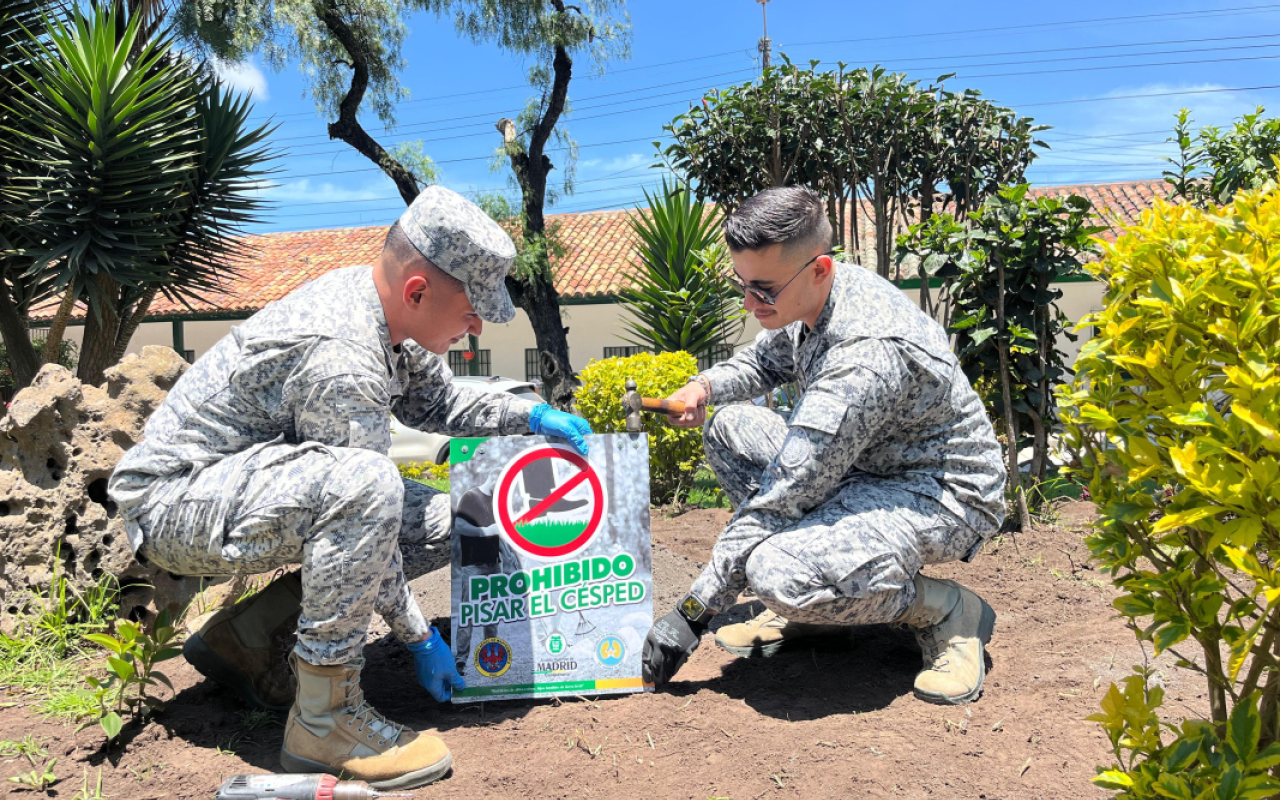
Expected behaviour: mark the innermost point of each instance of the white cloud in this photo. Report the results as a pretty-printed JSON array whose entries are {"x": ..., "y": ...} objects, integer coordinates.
[
  {"x": 627, "y": 162},
  {"x": 305, "y": 190},
  {"x": 243, "y": 77},
  {"x": 1129, "y": 132}
]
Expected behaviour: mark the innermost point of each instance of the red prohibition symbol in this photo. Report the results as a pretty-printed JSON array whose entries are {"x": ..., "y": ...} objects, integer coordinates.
[{"x": 511, "y": 526}]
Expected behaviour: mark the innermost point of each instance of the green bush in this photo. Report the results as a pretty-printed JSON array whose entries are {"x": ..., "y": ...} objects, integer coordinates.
[
  {"x": 674, "y": 453},
  {"x": 1174, "y": 417}
]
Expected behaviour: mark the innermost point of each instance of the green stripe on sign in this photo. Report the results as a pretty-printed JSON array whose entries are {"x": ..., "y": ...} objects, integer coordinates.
[
  {"x": 526, "y": 688},
  {"x": 459, "y": 445}
]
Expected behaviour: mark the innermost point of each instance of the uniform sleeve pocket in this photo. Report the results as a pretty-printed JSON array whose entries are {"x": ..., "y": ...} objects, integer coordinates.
[{"x": 820, "y": 412}]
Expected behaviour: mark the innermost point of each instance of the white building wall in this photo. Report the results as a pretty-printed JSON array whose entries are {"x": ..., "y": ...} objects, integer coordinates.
[{"x": 591, "y": 329}]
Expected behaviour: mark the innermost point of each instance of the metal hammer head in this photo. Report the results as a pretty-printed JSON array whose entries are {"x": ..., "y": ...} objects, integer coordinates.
[{"x": 631, "y": 404}]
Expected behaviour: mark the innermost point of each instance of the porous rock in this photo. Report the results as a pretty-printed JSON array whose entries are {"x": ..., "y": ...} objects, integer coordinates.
[{"x": 59, "y": 442}]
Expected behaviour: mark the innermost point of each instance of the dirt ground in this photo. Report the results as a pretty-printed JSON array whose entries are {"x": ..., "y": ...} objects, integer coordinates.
[{"x": 835, "y": 721}]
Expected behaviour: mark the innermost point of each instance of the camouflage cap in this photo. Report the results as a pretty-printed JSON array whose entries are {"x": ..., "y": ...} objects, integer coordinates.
[{"x": 458, "y": 237}]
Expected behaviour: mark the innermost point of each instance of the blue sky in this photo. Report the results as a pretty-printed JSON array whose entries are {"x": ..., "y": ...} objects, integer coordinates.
[{"x": 1148, "y": 59}]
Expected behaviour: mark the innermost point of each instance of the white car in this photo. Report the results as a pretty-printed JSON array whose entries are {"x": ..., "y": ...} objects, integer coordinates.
[{"x": 409, "y": 445}]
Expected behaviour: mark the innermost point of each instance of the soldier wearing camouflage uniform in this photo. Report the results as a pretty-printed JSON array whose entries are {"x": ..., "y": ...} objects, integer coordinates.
[
  {"x": 887, "y": 464},
  {"x": 271, "y": 451}
]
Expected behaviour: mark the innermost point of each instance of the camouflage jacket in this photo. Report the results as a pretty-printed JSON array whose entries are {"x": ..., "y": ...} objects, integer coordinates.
[
  {"x": 316, "y": 366},
  {"x": 883, "y": 396}
]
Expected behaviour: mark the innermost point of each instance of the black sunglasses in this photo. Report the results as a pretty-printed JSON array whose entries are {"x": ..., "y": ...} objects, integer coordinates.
[{"x": 767, "y": 296}]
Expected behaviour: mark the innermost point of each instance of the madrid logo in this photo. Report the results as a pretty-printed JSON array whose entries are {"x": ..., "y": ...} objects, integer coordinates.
[
  {"x": 549, "y": 502},
  {"x": 493, "y": 658}
]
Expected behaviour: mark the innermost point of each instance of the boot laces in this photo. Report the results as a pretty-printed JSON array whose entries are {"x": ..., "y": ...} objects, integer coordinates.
[
  {"x": 771, "y": 619},
  {"x": 367, "y": 715},
  {"x": 934, "y": 651}
]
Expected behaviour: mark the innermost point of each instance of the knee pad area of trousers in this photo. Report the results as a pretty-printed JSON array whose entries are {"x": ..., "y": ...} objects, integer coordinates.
[{"x": 369, "y": 478}]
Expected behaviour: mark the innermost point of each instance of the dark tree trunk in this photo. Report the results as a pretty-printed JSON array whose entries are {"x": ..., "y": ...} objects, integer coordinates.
[
  {"x": 101, "y": 327},
  {"x": 130, "y": 326},
  {"x": 24, "y": 361},
  {"x": 1010, "y": 418},
  {"x": 534, "y": 290},
  {"x": 347, "y": 127}
]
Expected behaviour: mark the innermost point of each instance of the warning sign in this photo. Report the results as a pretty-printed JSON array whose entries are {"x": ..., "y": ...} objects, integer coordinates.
[
  {"x": 550, "y": 502},
  {"x": 552, "y": 565}
]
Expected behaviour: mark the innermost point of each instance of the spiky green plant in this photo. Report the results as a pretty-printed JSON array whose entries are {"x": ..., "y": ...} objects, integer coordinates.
[
  {"x": 681, "y": 298},
  {"x": 133, "y": 173}
]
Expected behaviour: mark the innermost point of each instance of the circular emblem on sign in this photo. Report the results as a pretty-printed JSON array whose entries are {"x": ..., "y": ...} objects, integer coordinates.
[
  {"x": 549, "y": 502},
  {"x": 493, "y": 657},
  {"x": 555, "y": 644},
  {"x": 610, "y": 651}
]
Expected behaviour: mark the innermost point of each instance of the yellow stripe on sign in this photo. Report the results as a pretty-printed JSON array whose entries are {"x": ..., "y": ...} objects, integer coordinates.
[{"x": 620, "y": 683}]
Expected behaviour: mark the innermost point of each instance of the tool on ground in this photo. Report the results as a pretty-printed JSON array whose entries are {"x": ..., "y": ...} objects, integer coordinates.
[
  {"x": 296, "y": 787},
  {"x": 634, "y": 404}
]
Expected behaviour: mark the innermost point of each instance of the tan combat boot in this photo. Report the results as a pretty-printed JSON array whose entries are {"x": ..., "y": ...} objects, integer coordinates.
[
  {"x": 246, "y": 647},
  {"x": 333, "y": 729},
  {"x": 768, "y": 633},
  {"x": 952, "y": 625}
]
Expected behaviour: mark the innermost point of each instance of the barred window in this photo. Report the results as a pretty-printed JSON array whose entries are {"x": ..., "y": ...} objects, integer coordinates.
[
  {"x": 623, "y": 352},
  {"x": 715, "y": 356},
  {"x": 532, "y": 364},
  {"x": 459, "y": 365}
]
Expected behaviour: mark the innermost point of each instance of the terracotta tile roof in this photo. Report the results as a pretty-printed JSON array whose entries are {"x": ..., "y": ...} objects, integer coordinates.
[{"x": 595, "y": 266}]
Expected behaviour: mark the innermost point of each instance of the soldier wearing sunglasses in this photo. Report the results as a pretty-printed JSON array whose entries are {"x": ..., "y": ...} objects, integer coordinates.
[{"x": 887, "y": 464}]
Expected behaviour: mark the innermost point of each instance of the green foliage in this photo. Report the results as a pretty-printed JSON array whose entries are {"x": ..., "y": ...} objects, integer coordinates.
[
  {"x": 1037, "y": 241},
  {"x": 674, "y": 453},
  {"x": 1174, "y": 417},
  {"x": 681, "y": 298},
  {"x": 413, "y": 158},
  {"x": 1214, "y": 164},
  {"x": 90, "y": 792},
  {"x": 39, "y": 778},
  {"x": 135, "y": 173},
  {"x": 117, "y": 160},
  {"x": 41, "y": 775},
  {"x": 131, "y": 673},
  {"x": 1201, "y": 762},
  {"x": 68, "y": 356},
  {"x": 862, "y": 134}
]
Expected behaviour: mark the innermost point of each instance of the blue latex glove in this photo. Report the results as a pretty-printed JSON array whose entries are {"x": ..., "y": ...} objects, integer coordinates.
[
  {"x": 546, "y": 421},
  {"x": 433, "y": 662}
]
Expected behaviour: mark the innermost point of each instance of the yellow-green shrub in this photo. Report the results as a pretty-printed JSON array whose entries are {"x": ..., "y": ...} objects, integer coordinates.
[
  {"x": 674, "y": 453},
  {"x": 422, "y": 471},
  {"x": 1175, "y": 414}
]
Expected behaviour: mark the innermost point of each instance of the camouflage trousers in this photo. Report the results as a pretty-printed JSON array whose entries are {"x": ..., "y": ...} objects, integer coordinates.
[
  {"x": 344, "y": 514},
  {"x": 851, "y": 560}
]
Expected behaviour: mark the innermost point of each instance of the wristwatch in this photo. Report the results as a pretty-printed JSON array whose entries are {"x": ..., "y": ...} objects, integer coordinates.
[{"x": 706, "y": 385}]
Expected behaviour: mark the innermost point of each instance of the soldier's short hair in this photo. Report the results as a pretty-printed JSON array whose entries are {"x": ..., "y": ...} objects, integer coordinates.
[
  {"x": 791, "y": 216},
  {"x": 406, "y": 256}
]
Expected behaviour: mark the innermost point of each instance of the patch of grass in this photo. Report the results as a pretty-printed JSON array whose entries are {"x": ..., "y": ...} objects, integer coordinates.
[
  {"x": 46, "y": 656},
  {"x": 256, "y": 718},
  {"x": 546, "y": 533},
  {"x": 706, "y": 492},
  {"x": 28, "y": 747}
]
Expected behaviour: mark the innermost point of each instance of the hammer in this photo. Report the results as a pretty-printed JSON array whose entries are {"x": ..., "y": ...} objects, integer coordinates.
[{"x": 634, "y": 404}]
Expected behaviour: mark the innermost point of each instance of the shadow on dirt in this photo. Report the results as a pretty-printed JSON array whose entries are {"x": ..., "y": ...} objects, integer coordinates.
[
  {"x": 864, "y": 672},
  {"x": 210, "y": 717}
]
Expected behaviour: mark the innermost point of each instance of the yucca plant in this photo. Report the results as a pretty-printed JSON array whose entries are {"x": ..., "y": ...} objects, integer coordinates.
[
  {"x": 134, "y": 174},
  {"x": 21, "y": 22},
  {"x": 220, "y": 201},
  {"x": 681, "y": 298}
]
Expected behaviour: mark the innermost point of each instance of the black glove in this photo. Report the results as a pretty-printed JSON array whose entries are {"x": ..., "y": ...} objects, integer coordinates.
[{"x": 669, "y": 644}]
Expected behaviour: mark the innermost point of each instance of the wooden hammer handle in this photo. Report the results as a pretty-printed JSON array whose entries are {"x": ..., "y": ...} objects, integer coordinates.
[{"x": 662, "y": 406}]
